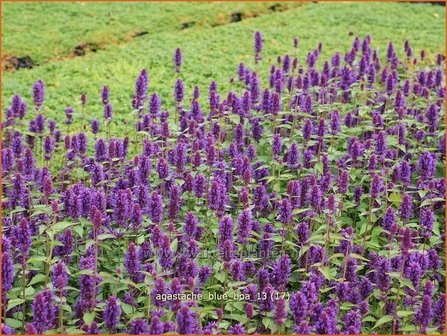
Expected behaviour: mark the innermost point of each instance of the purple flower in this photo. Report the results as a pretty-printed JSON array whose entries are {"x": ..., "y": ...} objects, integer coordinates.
[
  {"x": 199, "y": 185},
  {"x": 266, "y": 303},
  {"x": 38, "y": 94},
  {"x": 389, "y": 219},
  {"x": 8, "y": 159},
  {"x": 282, "y": 271},
  {"x": 308, "y": 129},
  {"x": 303, "y": 232},
  {"x": 23, "y": 236},
  {"x": 156, "y": 327},
  {"x": 105, "y": 95},
  {"x": 30, "y": 329},
  {"x": 424, "y": 315},
  {"x": 276, "y": 144},
  {"x": 303, "y": 328},
  {"x": 383, "y": 278},
  {"x": 237, "y": 329},
  {"x": 7, "y": 330},
  {"x": 427, "y": 219},
  {"x": 174, "y": 202},
  {"x": 44, "y": 312},
  {"x": 108, "y": 112},
  {"x": 353, "y": 322},
  {"x": 190, "y": 226},
  {"x": 244, "y": 225},
  {"x": 293, "y": 156},
  {"x": 95, "y": 125},
  {"x": 177, "y": 59},
  {"x": 427, "y": 165},
  {"x": 159, "y": 289},
  {"x": 7, "y": 272},
  {"x": 156, "y": 207},
  {"x": 131, "y": 262},
  {"x": 327, "y": 321},
  {"x": 405, "y": 172},
  {"x": 179, "y": 91},
  {"x": 138, "y": 326},
  {"x": 185, "y": 321},
  {"x": 439, "y": 311},
  {"x": 141, "y": 86},
  {"x": 217, "y": 196},
  {"x": 335, "y": 122},
  {"x": 376, "y": 186},
  {"x": 112, "y": 313},
  {"x": 258, "y": 45},
  {"x": 165, "y": 253},
  {"x": 48, "y": 147},
  {"x": 60, "y": 276},
  {"x": 227, "y": 250},
  {"x": 298, "y": 306},
  {"x": 101, "y": 150}
]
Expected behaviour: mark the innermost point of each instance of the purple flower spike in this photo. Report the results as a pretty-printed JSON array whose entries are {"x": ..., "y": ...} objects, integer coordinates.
[
  {"x": 38, "y": 94},
  {"x": 177, "y": 59},
  {"x": 112, "y": 313}
]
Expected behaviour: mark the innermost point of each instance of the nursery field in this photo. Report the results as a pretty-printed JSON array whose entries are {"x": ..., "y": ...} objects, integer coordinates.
[
  {"x": 211, "y": 53},
  {"x": 223, "y": 168}
]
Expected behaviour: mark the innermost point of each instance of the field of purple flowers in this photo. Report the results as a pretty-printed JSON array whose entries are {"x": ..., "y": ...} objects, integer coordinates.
[{"x": 309, "y": 202}]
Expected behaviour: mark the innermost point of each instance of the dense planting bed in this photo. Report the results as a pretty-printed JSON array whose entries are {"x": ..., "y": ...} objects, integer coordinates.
[{"x": 304, "y": 195}]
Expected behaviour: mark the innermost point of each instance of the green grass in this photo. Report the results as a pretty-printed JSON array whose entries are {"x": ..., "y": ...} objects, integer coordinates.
[
  {"x": 26, "y": 28},
  {"x": 210, "y": 53}
]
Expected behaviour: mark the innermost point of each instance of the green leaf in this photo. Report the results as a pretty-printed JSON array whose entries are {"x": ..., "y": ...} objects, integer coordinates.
[
  {"x": 79, "y": 230},
  {"x": 126, "y": 308},
  {"x": 174, "y": 245},
  {"x": 234, "y": 118},
  {"x": 13, "y": 323},
  {"x": 326, "y": 271},
  {"x": 29, "y": 291},
  {"x": 407, "y": 282},
  {"x": 37, "y": 278},
  {"x": 89, "y": 317},
  {"x": 383, "y": 320},
  {"x": 410, "y": 329},
  {"x": 105, "y": 236},
  {"x": 431, "y": 201},
  {"x": 62, "y": 226},
  {"x": 220, "y": 276},
  {"x": 140, "y": 240},
  {"x": 319, "y": 167},
  {"x": 403, "y": 313},
  {"x": 14, "y": 303},
  {"x": 267, "y": 322},
  {"x": 37, "y": 259},
  {"x": 395, "y": 198}
]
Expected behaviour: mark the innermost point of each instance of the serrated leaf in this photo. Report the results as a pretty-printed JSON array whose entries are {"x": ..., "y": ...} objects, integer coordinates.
[
  {"x": 383, "y": 320},
  {"x": 89, "y": 317},
  {"x": 105, "y": 236},
  {"x": 220, "y": 276},
  {"x": 174, "y": 245},
  {"x": 79, "y": 230},
  {"x": 62, "y": 226},
  {"x": 14, "y": 303},
  {"x": 13, "y": 322},
  {"x": 39, "y": 277},
  {"x": 403, "y": 313},
  {"x": 326, "y": 271},
  {"x": 29, "y": 291},
  {"x": 126, "y": 308}
]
